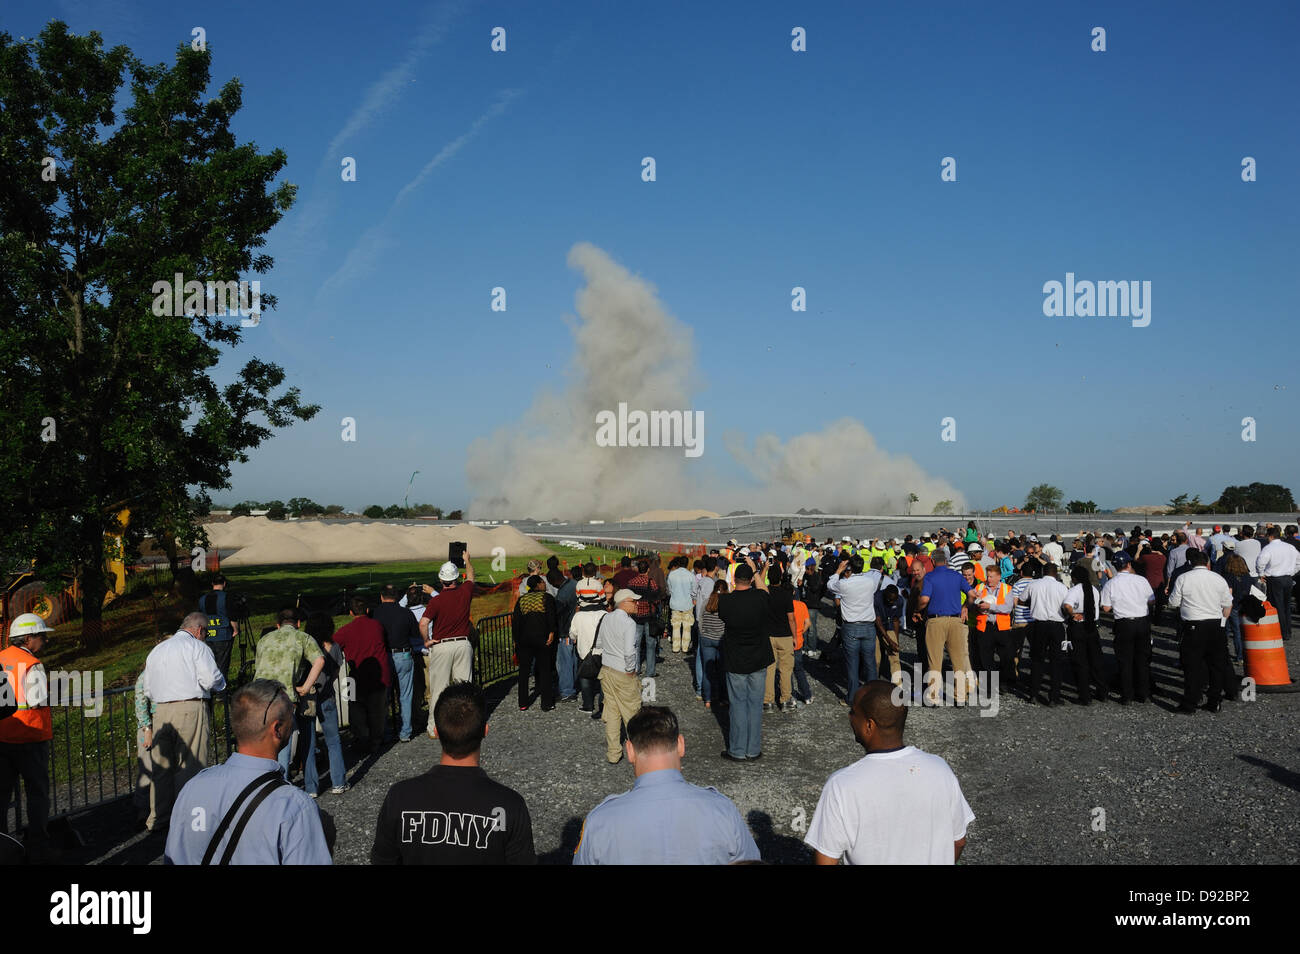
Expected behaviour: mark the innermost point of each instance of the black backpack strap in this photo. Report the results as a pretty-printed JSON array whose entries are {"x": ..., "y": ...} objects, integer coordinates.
[
  {"x": 275, "y": 783},
  {"x": 234, "y": 810}
]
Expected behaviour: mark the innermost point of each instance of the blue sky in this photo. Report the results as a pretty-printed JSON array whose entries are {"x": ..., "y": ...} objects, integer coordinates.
[{"x": 775, "y": 169}]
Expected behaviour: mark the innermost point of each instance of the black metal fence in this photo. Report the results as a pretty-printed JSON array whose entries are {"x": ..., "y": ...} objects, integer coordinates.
[
  {"x": 494, "y": 659},
  {"x": 94, "y": 756}
]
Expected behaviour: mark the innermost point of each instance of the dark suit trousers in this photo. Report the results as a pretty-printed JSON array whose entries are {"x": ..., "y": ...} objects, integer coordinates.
[
  {"x": 541, "y": 655},
  {"x": 1133, "y": 653},
  {"x": 1203, "y": 655},
  {"x": 1045, "y": 640},
  {"x": 1086, "y": 656}
]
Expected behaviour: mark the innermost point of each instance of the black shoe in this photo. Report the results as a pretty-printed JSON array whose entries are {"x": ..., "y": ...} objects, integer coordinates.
[
  {"x": 731, "y": 758},
  {"x": 550, "y": 708},
  {"x": 1186, "y": 710},
  {"x": 1123, "y": 702},
  {"x": 596, "y": 714},
  {"x": 1033, "y": 701},
  {"x": 753, "y": 758},
  {"x": 1213, "y": 707}
]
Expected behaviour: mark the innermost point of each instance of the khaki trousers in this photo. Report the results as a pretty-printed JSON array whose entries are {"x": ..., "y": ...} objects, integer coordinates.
[
  {"x": 622, "y": 701},
  {"x": 180, "y": 751},
  {"x": 895, "y": 664},
  {"x": 448, "y": 662},
  {"x": 949, "y": 631},
  {"x": 783, "y": 647},
  {"x": 682, "y": 620},
  {"x": 145, "y": 794}
]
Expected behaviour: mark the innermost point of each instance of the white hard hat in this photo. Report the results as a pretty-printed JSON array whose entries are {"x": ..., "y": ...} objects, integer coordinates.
[
  {"x": 449, "y": 572},
  {"x": 28, "y": 624}
]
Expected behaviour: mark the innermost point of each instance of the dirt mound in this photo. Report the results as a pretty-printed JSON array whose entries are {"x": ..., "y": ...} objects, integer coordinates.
[{"x": 259, "y": 541}]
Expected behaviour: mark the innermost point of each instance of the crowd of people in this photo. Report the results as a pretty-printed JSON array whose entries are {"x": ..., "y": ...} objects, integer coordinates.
[{"x": 994, "y": 614}]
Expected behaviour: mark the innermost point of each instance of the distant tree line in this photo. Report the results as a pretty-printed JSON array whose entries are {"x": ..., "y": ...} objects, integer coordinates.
[
  {"x": 304, "y": 507},
  {"x": 1254, "y": 498}
]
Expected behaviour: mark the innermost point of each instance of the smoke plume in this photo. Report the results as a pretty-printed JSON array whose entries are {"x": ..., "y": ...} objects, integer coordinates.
[{"x": 628, "y": 348}]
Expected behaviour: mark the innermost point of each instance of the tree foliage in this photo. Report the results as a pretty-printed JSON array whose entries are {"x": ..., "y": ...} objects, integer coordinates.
[
  {"x": 1256, "y": 498},
  {"x": 1044, "y": 497},
  {"x": 942, "y": 507},
  {"x": 137, "y": 194},
  {"x": 1081, "y": 506}
]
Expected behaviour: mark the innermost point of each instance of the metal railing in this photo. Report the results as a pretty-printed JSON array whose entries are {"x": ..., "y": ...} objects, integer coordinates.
[
  {"x": 94, "y": 758},
  {"x": 494, "y": 659}
]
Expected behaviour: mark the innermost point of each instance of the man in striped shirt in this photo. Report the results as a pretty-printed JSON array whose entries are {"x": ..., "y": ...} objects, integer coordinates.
[{"x": 1021, "y": 616}]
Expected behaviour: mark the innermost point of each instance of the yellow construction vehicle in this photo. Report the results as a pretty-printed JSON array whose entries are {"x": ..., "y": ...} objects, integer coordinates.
[{"x": 26, "y": 592}]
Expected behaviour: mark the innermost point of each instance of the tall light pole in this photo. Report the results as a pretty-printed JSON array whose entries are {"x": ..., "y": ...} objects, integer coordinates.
[{"x": 406, "y": 501}]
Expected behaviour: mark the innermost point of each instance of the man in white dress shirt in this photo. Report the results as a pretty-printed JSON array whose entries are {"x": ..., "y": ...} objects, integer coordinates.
[
  {"x": 1129, "y": 596},
  {"x": 180, "y": 674},
  {"x": 1204, "y": 602},
  {"x": 1276, "y": 565}
]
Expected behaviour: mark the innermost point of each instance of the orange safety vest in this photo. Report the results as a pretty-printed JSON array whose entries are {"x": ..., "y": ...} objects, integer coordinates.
[
  {"x": 1003, "y": 619},
  {"x": 800, "y": 622},
  {"x": 34, "y": 724}
]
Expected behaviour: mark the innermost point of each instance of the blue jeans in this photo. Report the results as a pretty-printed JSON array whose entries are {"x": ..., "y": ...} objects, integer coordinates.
[
  {"x": 709, "y": 654},
  {"x": 801, "y": 677},
  {"x": 810, "y": 637},
  {"x": 651, "y": 644},
  {"x": 746, "y": 713},
  {"x": 566, "y": 664},
  {"x": 859, "y": 649},
  {"x": 1234, "y": 631},
  {"x": 329, "y": 724},
  {"x": 404, "y": 666}
]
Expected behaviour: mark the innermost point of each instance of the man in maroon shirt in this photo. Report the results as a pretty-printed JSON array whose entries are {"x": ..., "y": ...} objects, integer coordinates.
[
  {"x": 445, "y": 628},
  {"x": 1151, "y": 564},
  {"x": 625, "y": 573},
  {"x": 362, "y": 642}
]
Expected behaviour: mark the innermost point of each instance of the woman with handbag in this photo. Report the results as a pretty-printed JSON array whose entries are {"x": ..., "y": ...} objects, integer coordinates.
[
  {"x": 320, "y": 627},
  {"x": 593, "y": 602}
]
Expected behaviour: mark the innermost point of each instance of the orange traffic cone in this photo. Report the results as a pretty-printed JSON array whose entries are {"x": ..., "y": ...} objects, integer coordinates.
[{"x": 1265, "y": 653}]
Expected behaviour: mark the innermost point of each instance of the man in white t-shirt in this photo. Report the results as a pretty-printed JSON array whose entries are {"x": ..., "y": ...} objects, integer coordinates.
[{"x": 898, "y": 805}]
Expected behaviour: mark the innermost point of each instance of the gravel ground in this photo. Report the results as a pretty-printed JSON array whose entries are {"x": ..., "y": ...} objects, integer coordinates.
[{"x": 1199, "y": 789}]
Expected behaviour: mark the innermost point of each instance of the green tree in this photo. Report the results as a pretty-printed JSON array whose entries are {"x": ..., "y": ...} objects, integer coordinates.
[
  {"x": 373, "y": 512},
  {"x": 243, "y": 509},
  {"x": 911, "y": 499},
  {"x": 137, "y": 195},
  {"x": 304, "y": 507},
  {"x": 276, "y": 510},
  {"x": 1256, "y": 498},
  {"x": 1081, "y": 506},
  {"x": 455, "y": 515},
  {"x": 1044, "y": 497},
  {"x": 333, "y": 509},
  {"x": 942, "y": 507}
]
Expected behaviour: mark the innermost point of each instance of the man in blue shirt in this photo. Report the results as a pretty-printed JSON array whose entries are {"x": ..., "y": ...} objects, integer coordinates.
[
  {"x": 243, "y": 812},
  {"x": 663, "y": 820},
  {"x": 945, "y": 626}
]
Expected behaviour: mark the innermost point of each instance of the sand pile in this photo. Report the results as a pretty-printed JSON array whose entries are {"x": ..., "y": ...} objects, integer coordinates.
[
  {"x": 649, "y": 516},
  {"x": 259, "y": 541}
]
